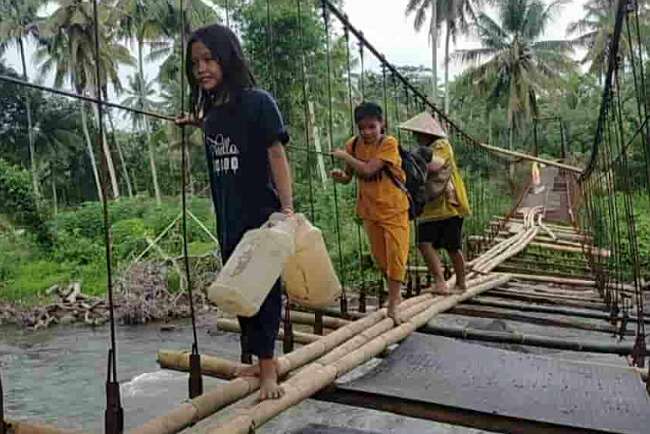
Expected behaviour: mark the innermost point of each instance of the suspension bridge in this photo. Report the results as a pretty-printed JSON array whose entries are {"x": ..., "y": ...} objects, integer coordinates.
[{"x": 550, "y": 336}]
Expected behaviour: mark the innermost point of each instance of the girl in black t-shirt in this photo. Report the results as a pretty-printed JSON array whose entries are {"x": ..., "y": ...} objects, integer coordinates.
[{"x": 248, "y": 167}]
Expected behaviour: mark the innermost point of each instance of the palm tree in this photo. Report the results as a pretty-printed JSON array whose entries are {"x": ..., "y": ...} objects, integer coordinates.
[
  {"x": 594, "y": 32},
  {"x": 142, "y": 21},
  {"x": 514, "y": 65},
  {"x": 421, "y": 8},
  {"x": 15, "y": 27},
  {"x": 56, "y": 138},
  {"x": 140, "y": 93},
  {"x": 68, "y": 50},
  {"x": 458, "y": 16}
]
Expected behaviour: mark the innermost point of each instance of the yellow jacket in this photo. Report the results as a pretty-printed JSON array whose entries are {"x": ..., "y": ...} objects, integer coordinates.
[{"x": 440, "y": 208}]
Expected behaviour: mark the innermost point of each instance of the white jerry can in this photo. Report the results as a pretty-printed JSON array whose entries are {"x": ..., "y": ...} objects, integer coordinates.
[
  {"x": 309, "y": 276},
  {"x": 253, "y": 268}
]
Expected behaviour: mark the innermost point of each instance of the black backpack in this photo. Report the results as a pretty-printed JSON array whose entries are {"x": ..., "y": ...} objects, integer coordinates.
[{"x": 415, "y": 168}]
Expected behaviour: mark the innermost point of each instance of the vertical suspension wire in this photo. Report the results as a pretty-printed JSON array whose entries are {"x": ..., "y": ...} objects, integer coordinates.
[
  {"x": 114, "y": 415},
  {"x": 195, "y": 382},
  {"x": 615, "y": 149},
  {"x": 342, "y": 271},
  {"x": 612, "y": 219},
  {"x": 227, "y": 13},
  {"x": 362, "y": 289},
  {"x": 305, "y": 103},
  {"x": 644, "y": 97},
  {"x": 633, "y": 251}
]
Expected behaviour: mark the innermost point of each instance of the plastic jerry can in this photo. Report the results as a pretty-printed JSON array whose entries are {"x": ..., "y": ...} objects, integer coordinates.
[
  {"x": 308, "y": 275},
  {"x": 253, "y": 268}
]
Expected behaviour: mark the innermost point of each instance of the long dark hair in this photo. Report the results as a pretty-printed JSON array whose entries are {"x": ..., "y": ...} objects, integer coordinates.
[{"x": 226, "y": 50}]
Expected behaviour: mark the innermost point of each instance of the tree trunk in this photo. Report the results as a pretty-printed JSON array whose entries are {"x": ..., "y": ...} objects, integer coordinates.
[
  {"x": 55, "y": 201},
  {"x": 313, "y": 126},
  {"x": 120, "y": 155},
  {"x": 152, "y": 163},
  {"x": 489, "y": 121},
  {"x": 109, "y": 158},
  {"x": 511, "y": 165},
  {"x": 91, "y": 154},
  {"x": 30, "y": 132},
  {"x": 150, "y": 147},
  {"x": 434, "y": 50},
  {"x": 447, "y": 41}
]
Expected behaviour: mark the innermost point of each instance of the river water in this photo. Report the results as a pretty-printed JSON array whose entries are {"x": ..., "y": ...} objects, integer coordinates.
[{"x": 57, "y": 376}]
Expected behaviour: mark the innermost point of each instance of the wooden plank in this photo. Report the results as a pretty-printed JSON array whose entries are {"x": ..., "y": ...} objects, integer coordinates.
[{"x": 444, "y": 372}]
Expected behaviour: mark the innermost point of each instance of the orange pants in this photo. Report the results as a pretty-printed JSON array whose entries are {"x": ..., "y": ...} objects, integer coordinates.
[{"x": 389, "y": 245}]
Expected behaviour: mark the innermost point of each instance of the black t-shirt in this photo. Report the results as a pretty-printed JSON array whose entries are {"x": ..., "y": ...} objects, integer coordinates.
[{"x": 237, "y": 137}]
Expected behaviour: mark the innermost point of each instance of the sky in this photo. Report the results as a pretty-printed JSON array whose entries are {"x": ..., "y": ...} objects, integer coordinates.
[
  {"x": 391, "y": 31},
  {"x": 385, "y": 25}
]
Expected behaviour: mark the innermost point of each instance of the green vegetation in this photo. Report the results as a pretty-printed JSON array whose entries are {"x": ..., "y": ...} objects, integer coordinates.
[{"x": 28, "y": 269}]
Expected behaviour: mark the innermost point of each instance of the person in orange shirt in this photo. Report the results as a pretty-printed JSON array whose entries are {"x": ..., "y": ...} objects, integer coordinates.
[{"x": 375, "y": 161}]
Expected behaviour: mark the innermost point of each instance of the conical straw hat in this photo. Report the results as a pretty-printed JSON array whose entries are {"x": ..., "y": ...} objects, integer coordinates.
[{"x": 424, "y": 123}]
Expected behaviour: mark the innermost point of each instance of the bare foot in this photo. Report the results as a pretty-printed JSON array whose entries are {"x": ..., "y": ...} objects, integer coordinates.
[
  {"x": 269, "y": 387},
  {"x": 460, "y": 287},
  {"x": 248, "y": 371},
  {"x": 393, "y": 304},
  {"x": 442, "y": 288}
]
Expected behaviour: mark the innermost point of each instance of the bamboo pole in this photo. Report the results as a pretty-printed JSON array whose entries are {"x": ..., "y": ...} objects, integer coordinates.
[
  {"x": 517, "y": 269},
  {"x": 557, "y": 280},
  {"x": 550, "y": 299},
  {"x": 524, "y": 339},
  {"x": 230, "y": 325},
  {"x": 557, "y": 247},
  {"x": 211, "y": 366},
  {"x": 485, "y": 312},
  {"x": 329, "y": 322},
  {"x": 530, "y": 158},
  {"x": 543, "y": 309},
  {"x": 323, "y": 372}
]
